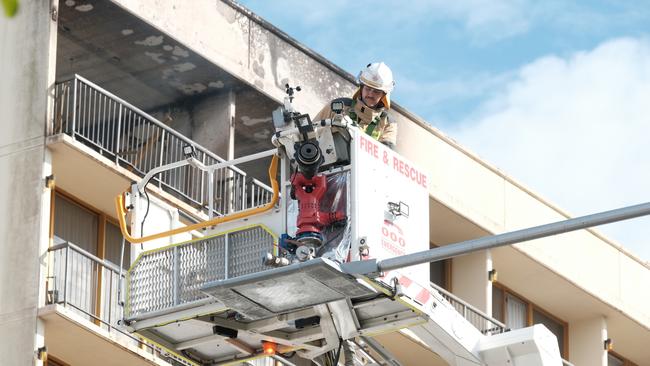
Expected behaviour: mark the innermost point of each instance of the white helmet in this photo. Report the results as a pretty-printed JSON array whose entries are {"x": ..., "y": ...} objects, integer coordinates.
[{"x": 377, "y": 76}]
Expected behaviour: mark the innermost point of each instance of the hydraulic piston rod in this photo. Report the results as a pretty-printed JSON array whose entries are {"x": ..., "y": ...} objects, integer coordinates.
[{"x": 512, "y": 237}]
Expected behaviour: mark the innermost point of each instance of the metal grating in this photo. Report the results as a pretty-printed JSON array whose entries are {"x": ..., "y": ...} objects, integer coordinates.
[
  {"x": 200, "y": 262},
  {"x": 164, "y": 278},
  {"x": 246, "y": 250}
]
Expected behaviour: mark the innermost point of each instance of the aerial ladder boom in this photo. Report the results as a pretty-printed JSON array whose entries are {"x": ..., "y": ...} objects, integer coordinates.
[{"x": 339, "y": 258}]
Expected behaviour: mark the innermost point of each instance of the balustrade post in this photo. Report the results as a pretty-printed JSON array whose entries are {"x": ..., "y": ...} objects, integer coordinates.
[{"x": 75, "y": 106}]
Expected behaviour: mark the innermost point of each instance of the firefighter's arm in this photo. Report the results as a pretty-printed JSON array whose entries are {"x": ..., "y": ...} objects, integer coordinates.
[{"x": 389, "y": 135}]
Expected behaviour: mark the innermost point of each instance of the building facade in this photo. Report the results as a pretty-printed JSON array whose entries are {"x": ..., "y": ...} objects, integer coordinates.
[{"x": 96, "y": 94}]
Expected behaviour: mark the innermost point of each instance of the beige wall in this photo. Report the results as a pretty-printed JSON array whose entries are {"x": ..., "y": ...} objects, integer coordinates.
[
  {"x": 470, "y": 279},
  {"x": 586, "y": 342},
  {"x": 491, "y": 200},
  {"x": 26, "y": 64}
]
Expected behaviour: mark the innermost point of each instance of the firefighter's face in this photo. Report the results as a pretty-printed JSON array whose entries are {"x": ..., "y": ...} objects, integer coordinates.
[{"x": 371, "y": 96}]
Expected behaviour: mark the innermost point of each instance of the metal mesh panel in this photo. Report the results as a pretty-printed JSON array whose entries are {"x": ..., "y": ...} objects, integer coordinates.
[
  {"x": 246, "y": 249},
  {"x": 200, "y": 262},
  {"x": 173, "y": 276},
  {"x": 151, "y": 283}
]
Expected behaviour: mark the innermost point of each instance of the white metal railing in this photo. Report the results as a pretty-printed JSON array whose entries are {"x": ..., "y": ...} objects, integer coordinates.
[
  {"x": 90, "y": 286},
  {"x": 139, "y": 142},
  {"x": 80, "y": 280},
  {"x": 483, "y": 322}
]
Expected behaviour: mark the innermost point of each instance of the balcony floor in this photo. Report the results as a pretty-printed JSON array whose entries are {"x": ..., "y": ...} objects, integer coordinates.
[{"x": 77, "y": 341}]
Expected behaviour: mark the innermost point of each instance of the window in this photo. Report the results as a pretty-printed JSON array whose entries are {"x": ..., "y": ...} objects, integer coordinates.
[
  {"x": 556, "y": 327},
  {"x": 82, "y": 226},
  {"x": 88, "y": 285},
  {"x": 614, "y": 359},
  {"x": 440, "y": 272},
  {"x": 517, "y": 312},
  {"x": 75, "y": 224},
  {"x": 497, "y": 304},
  {"x": 53, "y": 361}
]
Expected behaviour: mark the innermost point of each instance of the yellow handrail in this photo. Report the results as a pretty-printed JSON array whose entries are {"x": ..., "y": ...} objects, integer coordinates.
[{"x": 121, "y": 212}]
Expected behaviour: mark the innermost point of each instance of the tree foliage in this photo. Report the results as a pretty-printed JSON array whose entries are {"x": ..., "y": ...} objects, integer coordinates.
[{"x": 10, "y": 7}]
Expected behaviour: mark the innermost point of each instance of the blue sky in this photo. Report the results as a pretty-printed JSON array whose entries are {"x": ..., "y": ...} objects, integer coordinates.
[{"x": 554, "y": 93}]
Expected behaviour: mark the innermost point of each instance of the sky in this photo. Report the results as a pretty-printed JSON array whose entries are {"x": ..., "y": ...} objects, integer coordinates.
[{"x": 556, "y": 94}]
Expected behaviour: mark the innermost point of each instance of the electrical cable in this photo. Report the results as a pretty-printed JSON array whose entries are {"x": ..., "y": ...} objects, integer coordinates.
[
  {"x": 338, "y": 352},
  {"x": 146, "y": 213},
  {"x": 121, "y": 281}
]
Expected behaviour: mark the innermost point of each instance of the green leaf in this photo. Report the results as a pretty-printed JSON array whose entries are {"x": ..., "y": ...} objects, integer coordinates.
[{"x": 11, "y": 7}]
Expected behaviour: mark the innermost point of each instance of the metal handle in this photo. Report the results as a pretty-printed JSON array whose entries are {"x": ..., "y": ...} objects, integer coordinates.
[{"x": 121, "y": 212}]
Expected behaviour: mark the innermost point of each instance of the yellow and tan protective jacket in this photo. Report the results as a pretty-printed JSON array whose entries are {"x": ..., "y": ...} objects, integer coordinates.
[{"x": 374, "y": 122}]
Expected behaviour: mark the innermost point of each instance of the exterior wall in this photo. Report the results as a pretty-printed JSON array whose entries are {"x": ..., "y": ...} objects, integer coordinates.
[
  {"x": 208, "y": 122},
  {"x": 607, "y": 272},
  {"x": 495, "y": 202},
  {"x": 242, "y": 47},
  {"x": 469, "y": 274},
  {"x": 26, "y": 64},
  {"x": 458, "y": 181},
  {"x": 213, "y": 124},
  {"x": 586, "y": 342}
]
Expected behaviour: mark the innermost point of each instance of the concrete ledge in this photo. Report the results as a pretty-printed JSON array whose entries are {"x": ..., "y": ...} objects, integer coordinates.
[{"x": 76, "y": 340}]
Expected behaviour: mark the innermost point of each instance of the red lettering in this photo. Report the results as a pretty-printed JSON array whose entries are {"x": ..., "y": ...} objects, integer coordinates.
[
  {"x": 409, "y": 172},
  {"x": 392, "y": 248},
  {"x": 375, "y": 151}
]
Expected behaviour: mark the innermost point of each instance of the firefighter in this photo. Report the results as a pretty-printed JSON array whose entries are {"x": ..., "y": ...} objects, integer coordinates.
[{"x": 370, "y": 103}]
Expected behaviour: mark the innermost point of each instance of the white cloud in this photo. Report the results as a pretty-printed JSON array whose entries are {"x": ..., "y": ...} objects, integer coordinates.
[
  {"x": 577, "y": 130},
  {"x": 444, "y": 100}
]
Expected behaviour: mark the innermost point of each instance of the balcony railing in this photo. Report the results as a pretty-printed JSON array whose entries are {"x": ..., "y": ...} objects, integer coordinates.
[
  {"x": 90, "y": 287},
  {"x": 137, "y": 141},
  {"x": 483, "y": 322},
  {"x": 85, "y": 283}
]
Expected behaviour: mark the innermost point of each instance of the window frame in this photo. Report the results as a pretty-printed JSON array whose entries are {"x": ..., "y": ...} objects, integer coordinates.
[
  {"x": 530, "y": 308},
  {"x": 102, "y": 219},
  {"x": 55, "y": 361},
  {"x": 626, "y": 362}
]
